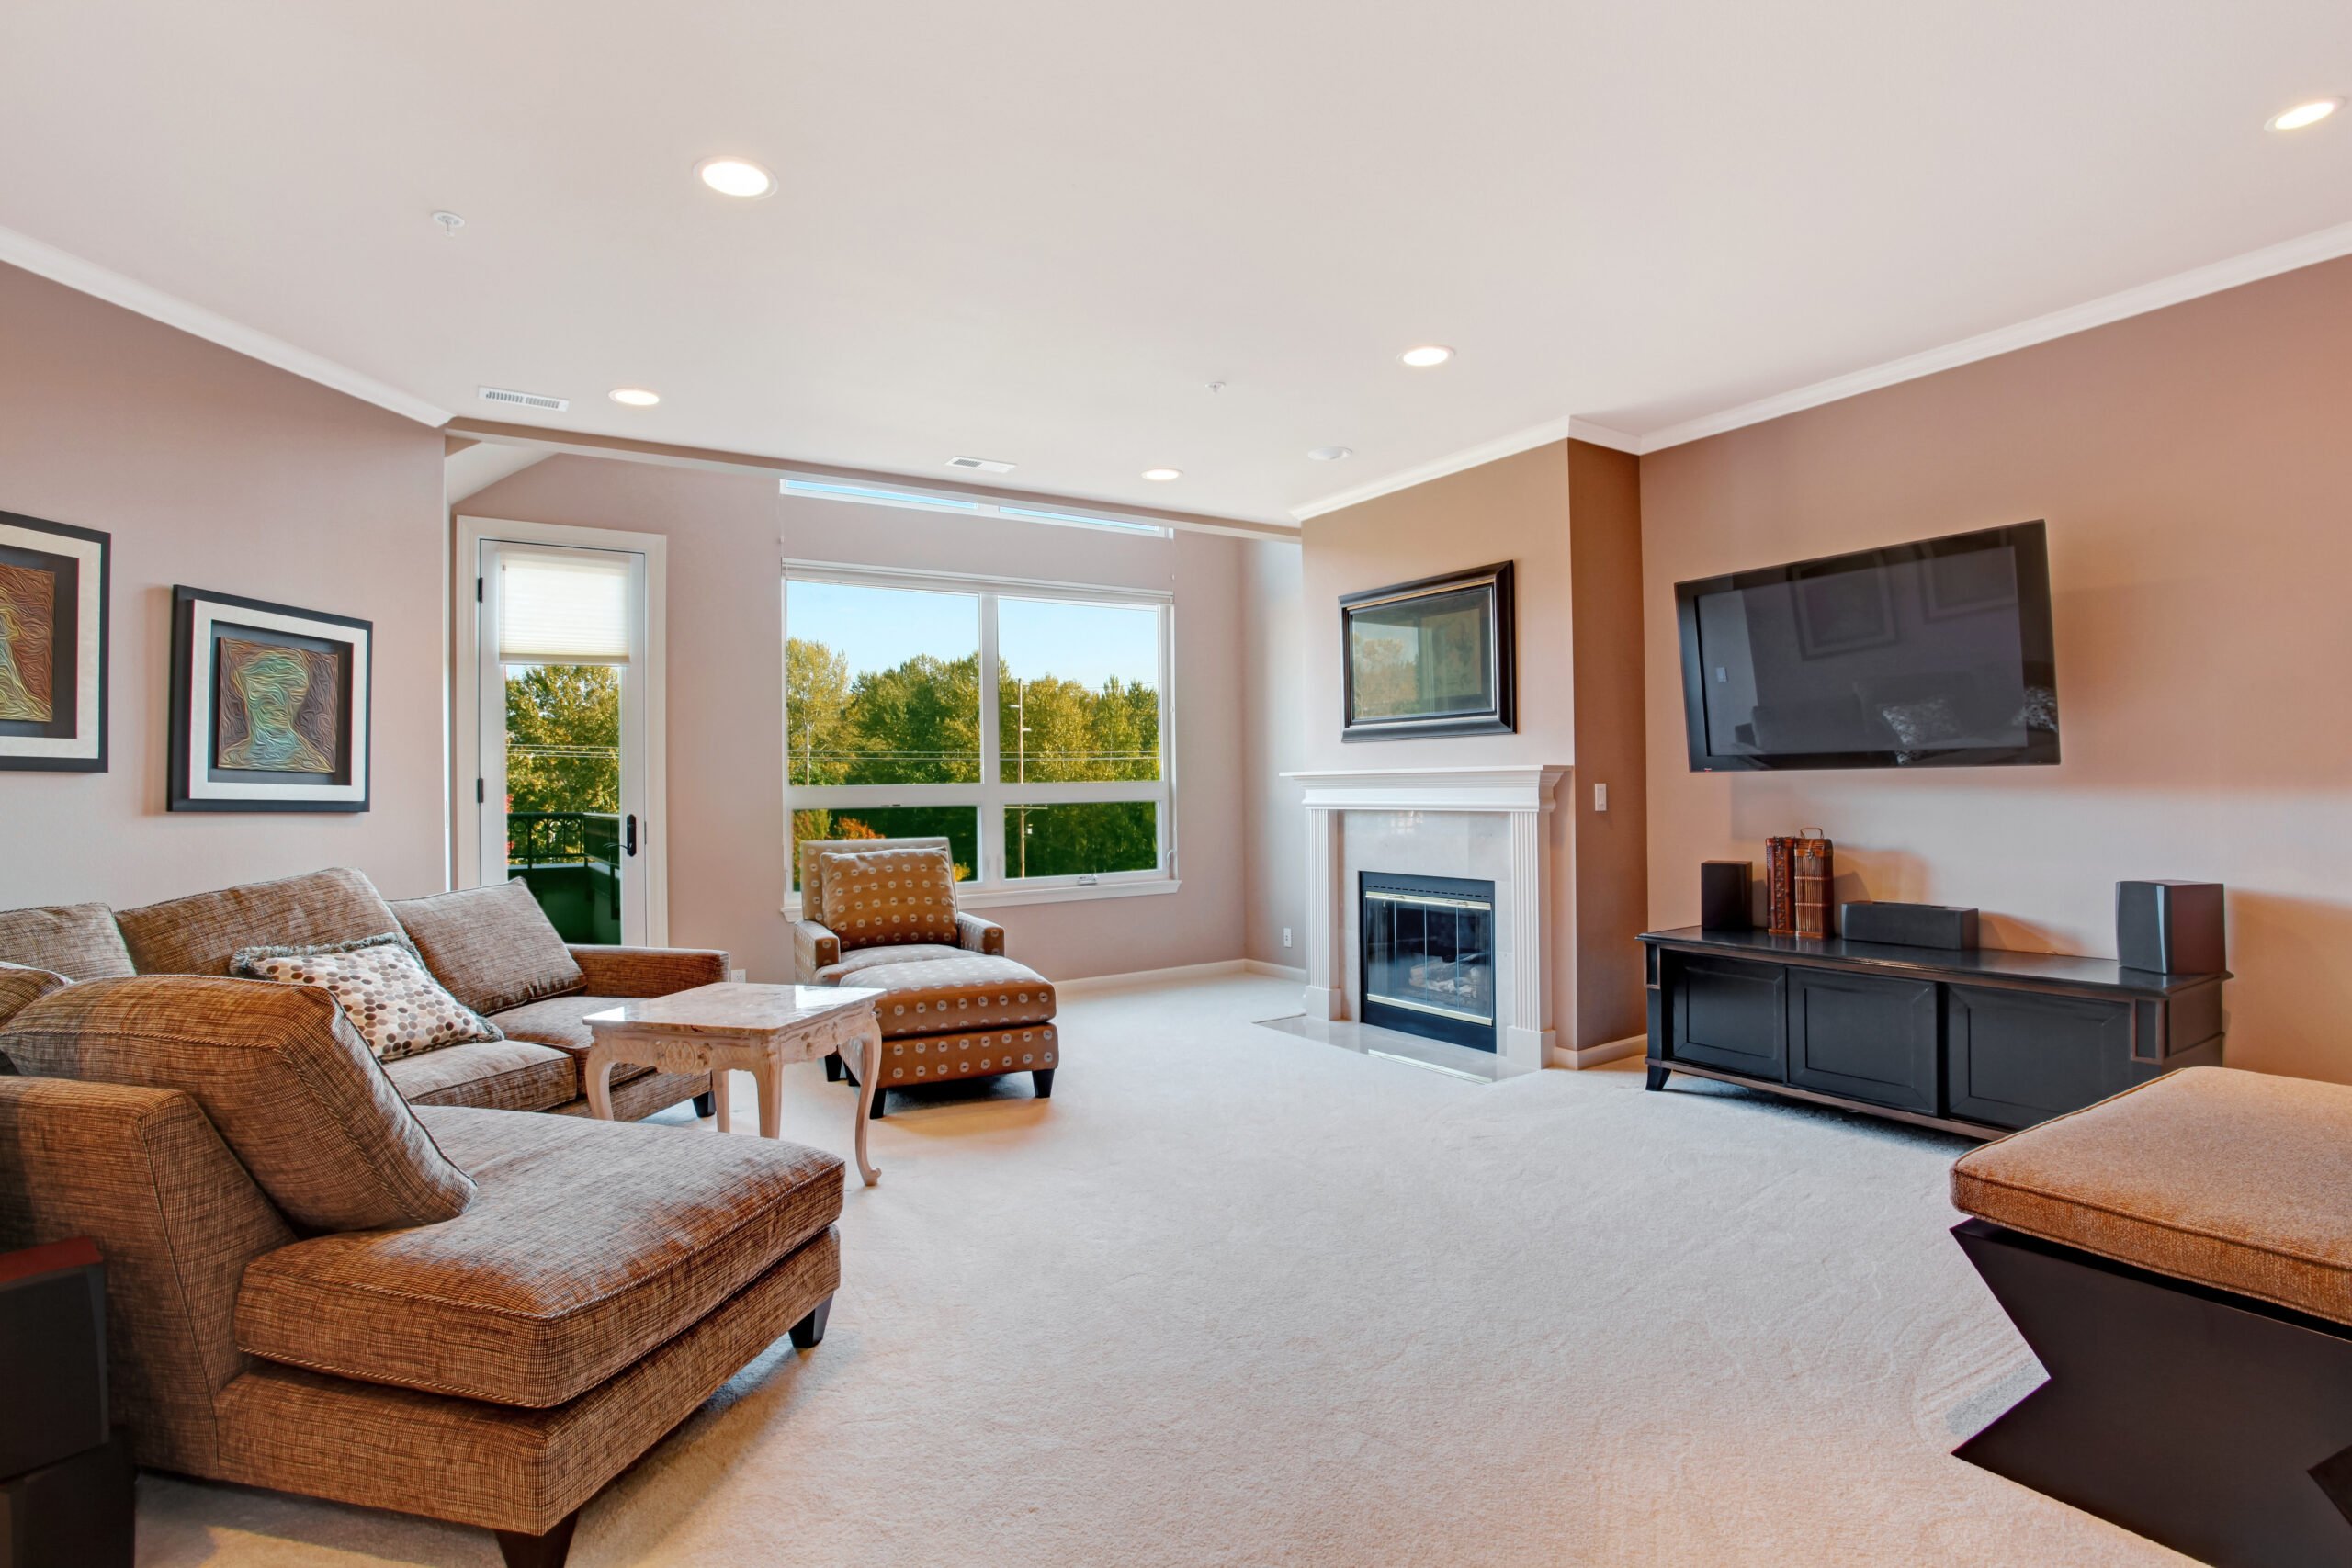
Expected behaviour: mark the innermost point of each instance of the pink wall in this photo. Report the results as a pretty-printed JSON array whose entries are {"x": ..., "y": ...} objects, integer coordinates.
[
  {"x": 2194, "y": 466},
  {"x": 217, "y": 471},
  {"x": 1275, "y": 722},
  {"x": 1611, "y": 867},
  {"x": 728, "y": 533}
]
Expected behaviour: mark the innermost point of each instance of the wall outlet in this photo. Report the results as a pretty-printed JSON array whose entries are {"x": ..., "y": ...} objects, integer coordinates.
[
  {"x": 1286, "y": 936},
  {"x": 736, "y": 975},
  {"x": 1600, "y": 797}
]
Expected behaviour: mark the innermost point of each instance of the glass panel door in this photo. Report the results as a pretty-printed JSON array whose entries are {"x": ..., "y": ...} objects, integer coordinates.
[{"x": 563, "y": 744}]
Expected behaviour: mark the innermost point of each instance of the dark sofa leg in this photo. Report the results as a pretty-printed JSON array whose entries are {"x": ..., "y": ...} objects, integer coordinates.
[
  {"x": 705, "y": 1105},
  {"x": 809, "y": 1331},
  {"x": 546, "y": 1550},
  {"x": 833, "y": 1067},
  {"x": 1044, "y": 1078}
]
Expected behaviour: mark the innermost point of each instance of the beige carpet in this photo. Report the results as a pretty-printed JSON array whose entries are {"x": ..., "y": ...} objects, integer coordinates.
[{"x": 1232, "y": 1297}]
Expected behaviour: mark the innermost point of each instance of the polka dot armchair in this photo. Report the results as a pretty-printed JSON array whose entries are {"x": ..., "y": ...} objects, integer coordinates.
[{"x": 953, "y": 1009}]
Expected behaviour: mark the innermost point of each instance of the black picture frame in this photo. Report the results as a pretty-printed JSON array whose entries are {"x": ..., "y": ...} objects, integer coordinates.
[
  {"x": 1498, "y": 714},
  {"x": 79, "y": 563},
  {"x": 200, "y": 780}
]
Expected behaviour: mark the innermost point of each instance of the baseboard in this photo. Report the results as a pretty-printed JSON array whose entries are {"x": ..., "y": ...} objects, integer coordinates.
[
  {"x": 1593, "y": 1055},
  {"x": 1149, "y": 976},
  {"x": 1274, "y": 971}
]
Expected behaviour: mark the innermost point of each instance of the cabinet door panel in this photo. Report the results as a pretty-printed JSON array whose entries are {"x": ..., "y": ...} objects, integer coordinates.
[
  {"x": 2014, "y": 1058},
  {"x": 1730, "y": 1014},
  {"x": 1867, "y": 1037}
]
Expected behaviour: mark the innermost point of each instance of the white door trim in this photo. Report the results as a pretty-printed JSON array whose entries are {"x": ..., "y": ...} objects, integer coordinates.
[{"x": 465, "y": 691}]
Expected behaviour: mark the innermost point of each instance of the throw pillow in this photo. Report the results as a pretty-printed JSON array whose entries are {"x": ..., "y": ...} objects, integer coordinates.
[
  {"x": 281, "y": 1074},
  {"x": 492, "y": 946},
  {"x": 881, "y": 897},
  {"x": 21, "y": 986},
  {"x": 398, "y": 1008}
]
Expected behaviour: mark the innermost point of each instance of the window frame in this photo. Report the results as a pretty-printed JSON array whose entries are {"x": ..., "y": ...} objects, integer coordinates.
[{"x": 990, "y": 885}]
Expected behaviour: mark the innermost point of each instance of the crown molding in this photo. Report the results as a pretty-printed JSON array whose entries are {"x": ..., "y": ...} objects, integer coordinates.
[
  {"x": 2253, "y": 266},
  {"x": 2288, "y": 256},
  {"x": 89, "y": 277},
  {"x": 1570, "y": 429}
]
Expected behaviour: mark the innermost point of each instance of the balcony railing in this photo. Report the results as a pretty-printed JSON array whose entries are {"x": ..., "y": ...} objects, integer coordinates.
[{"x": 572, "y": 860}]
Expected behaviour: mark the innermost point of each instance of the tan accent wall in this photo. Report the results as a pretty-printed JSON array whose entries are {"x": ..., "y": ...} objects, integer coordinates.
[
  {"x": 1274, "y": 721},
  {"x": 729, "y": 535},
  {"x": 1612, "y": 847},
  {"x": 219, "y": 472},
  {"x": 2195, "y": 467}
]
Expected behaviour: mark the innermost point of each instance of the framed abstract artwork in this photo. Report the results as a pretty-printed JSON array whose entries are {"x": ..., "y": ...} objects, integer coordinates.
[
  {"x": 53, "y": 595},
  {"x": 1432, "y": 657},
  {"x": 270, "y": 706}
]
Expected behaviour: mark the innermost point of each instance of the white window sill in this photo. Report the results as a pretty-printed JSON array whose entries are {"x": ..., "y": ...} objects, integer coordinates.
[{"x": 1005, "y": 897}]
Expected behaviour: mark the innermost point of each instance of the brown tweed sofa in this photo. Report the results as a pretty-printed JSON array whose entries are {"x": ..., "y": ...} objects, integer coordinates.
[
  {"x": 492, "y": 947},
  {"x": 316, "y": 1287},
  {"x": 965, "y": 1011}
]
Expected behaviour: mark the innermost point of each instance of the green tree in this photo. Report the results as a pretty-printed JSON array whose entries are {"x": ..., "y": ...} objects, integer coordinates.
[{"x": 563, "y": 738}]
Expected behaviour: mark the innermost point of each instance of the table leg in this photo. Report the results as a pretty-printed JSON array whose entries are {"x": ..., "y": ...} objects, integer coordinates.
[
  {"x": 869, "y": 1084},
  {"x": 597, "y": 1078},
  {"x": 718, "y": 1103},
  {"x": 769, "y": 1076}
]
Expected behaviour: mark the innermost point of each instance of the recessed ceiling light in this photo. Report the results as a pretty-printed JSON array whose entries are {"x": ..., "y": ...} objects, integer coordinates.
[
  {"x": 2302, "y": 115},
  {"x": 1161, "y": 476},
  {"x": 1332, "y": 453},
  {"x": 634, "y": 397},
  {"x": 736, "y": 176},
  {"x": 1428, "y": 354},
  {"x": 981, "y": 465}
]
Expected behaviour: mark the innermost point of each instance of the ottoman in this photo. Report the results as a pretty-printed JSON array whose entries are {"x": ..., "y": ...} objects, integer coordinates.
[{"x": 951, "y": 1013}]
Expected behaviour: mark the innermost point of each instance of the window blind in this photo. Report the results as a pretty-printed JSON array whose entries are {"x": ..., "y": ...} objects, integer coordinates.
[{"x": 563, "y": 609}]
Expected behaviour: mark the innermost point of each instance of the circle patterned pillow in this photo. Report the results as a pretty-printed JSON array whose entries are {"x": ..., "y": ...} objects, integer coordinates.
[
  {"x": 398, "y": 1007},
  {"x": 880, "y": 897}
]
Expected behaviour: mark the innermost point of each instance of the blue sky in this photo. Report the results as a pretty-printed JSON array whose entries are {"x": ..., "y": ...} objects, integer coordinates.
[{"x": 880, "y": 628}]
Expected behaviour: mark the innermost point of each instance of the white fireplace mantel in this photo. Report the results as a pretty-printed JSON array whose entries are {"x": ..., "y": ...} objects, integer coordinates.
[{"x": 1521, "y": 794}]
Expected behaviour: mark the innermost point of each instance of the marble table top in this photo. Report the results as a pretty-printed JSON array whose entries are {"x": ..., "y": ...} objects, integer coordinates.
[{"x": 733, "y": 1007}]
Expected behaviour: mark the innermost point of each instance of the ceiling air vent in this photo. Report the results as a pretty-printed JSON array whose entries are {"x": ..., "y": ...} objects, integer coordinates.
[
  {"x": 522, "y": 400},
  {"x": 980, "y": 465}
]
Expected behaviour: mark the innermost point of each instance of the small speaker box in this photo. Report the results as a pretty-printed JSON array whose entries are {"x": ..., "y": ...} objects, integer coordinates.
[
  {"x": 1725, "y": 895},
  {"x": 1909, "y": 925},
  {"x": 2174, "y": 928}
]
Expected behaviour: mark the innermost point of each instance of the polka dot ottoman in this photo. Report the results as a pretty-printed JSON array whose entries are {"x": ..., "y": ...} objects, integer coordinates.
[{"x": 970, "y": 1015}]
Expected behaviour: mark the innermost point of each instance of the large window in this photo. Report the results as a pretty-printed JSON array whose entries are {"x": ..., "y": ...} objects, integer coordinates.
[{"x": 1021, "y": 722}]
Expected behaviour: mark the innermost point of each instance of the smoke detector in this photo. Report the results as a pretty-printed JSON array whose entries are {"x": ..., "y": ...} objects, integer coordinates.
[
  {"x": 980, "y": 465},
  {"x": 522, "y": 400}
]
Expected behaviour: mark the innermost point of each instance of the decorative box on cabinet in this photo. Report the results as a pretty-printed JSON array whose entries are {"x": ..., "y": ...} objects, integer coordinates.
[{"x": 1976, "y": 1041}]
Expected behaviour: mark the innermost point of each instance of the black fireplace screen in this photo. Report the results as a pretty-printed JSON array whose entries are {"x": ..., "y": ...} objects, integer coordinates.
[{"x": 1427, "y": 962}]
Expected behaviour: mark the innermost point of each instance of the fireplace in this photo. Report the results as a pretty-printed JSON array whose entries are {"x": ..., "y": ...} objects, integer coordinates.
[{"x": 1427, "y": 964}]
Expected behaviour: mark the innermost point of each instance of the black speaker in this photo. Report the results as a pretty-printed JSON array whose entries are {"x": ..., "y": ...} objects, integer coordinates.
[
  {"x": 1909, "y": 925},
  {"x": 2174, "y": 928},
  {"x": 1724, "y": 899}
]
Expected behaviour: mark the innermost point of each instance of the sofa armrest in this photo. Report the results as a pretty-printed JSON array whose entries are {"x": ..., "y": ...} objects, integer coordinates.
[
  {"x": 975, "y": 935},
  {"x": 813, "y": 948},
  {"x": 648, "y": 971}
]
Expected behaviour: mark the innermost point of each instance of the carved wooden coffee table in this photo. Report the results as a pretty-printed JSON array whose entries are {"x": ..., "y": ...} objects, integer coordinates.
[{"x": 729, "y": 1026}]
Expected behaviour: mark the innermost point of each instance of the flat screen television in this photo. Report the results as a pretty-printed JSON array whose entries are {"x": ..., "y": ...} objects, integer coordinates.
[{"x": 1934, "y": 654}]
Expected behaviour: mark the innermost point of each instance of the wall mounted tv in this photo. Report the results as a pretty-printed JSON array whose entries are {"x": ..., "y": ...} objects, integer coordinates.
[{"x": 1935, "y": 654}]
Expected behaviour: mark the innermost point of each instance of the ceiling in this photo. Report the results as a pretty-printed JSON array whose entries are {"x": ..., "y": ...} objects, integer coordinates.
[{"x": 1039, "y": 232}]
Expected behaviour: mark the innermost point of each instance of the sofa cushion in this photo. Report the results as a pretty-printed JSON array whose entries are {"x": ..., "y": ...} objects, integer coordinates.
[
  {"x": 557, "y": 1021},
  {"x": 280, "y": 1072},
  {"x": 498, "y": 1075},
  {"x": 199, "y": 934},
  {"x": 891, "y": 896},
  {"x": 866, "y": 958},
  {"x": 398, "y": 1008},
  {"x": 588, "y": 1246},
  {"x": 80, "y": 942},
  {"x": 21, "y": 987},
  {"x": 493, "y": 946},
  {"x": 941, "y": 996},
  {"x": 2228, "y": 1179}
]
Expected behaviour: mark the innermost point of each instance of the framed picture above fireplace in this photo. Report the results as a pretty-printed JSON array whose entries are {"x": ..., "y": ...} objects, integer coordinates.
[{"x": 1432, "y": 657}]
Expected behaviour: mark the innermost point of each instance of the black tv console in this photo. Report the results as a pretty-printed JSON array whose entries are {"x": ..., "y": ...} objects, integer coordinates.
[{"x": 1978, "y": 1041}]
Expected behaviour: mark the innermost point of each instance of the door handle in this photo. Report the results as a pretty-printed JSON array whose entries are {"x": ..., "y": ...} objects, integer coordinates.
[{"x": 628, "y": 834}]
